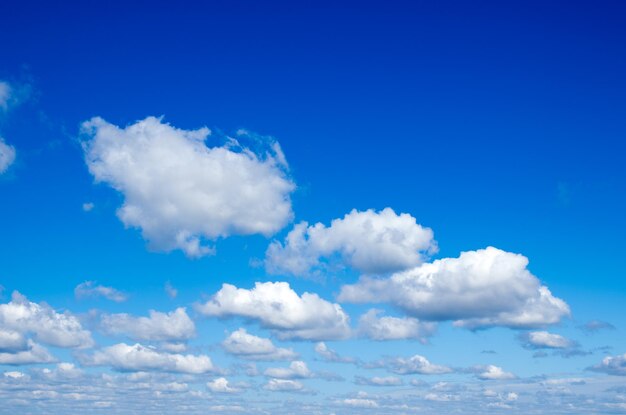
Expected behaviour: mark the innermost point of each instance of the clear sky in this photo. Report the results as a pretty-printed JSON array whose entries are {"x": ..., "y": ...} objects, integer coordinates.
[{"x": 312, "y": 207}]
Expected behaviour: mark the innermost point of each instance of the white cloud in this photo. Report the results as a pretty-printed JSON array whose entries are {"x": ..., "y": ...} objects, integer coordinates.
[
  {"x": 276, "y": 306},
  {"x": 369, "y": 241},
  {"x": 136, "y": 357},
  {"x": 612, "y": 365},
  {"x": 360, "y": 403},
  {"x": 89, "y": 289},
  {"x": 546, "y": 340},
  {"x": 296, "y": 370},
  {"x": 393, "y": 328},
  {"x": 180, "y": 192},
  {"x": 483, "y": 288},
  {"x": 170, "y": 290},
  {"x": 12, "y": 341},
  {"x": 415, "y": 365},
  {"x": 283, "y": 385},
  {"x": 33, "y": 353},
  {"x": 48, "y": 326},
  {"x": 492, "y": 372},
  {"x": 221, "y": 385},
  {"x": 7, "y": 155},
  {"x": 248, "y": 346},
  {"x": 378, "y": 381},
  {"x": 173, "y": 326},
  {"x": 330, "y": 355},
  {"x": 88, "y": 206}
]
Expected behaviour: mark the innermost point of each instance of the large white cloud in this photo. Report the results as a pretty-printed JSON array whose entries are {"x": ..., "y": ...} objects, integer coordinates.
[
  {"x": 7, "y": 155},
  {"x": 173, "y": 326},
  {"x": 56, "y": 329},
  {"x": 276, "y": 306},
  {"x": 394, "y": 328},
  {"x": 136, "y": 357},
  {"x": 247, "y": 346},
  {"x": 483, "y": 288},
  {"x": 181, "y": 192},
  {"x": 32, "y": 353},
  {"x": 369, "y": 241}
]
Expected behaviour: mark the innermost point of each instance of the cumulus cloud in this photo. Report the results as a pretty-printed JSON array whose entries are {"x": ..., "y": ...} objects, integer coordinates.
[
  {"x": 276, "y": 306},
  {"x": 181, "y": 192},
  {"x": 491, "y": 372},
  {"x": 545, "y": 340},
  {"x": 221, "y": 385},
  {"x": 296, "y": 370},
  {"x": 12, "y": 341},
  {"x": 378, "y": 381},
  {"x": 369, "y": 241},
  {"x": 247, "y": 346},
  {"x": 483, "y": 288},
  {"x": 133, "y": 358},
  {"x": 45, "y": 324},
  {"x": 414, "y": 365},
  {"x": 359, "y": 403},
  {"x": 89, "y": 289},
  {"x": 393, "y": 328},
  {"x": 173, "y": 326},
  {"x": 283, "y": 385},
  {"x": 330, "y": 355},
  {"x": 7, "y": 155},
  {"x": 32, "y": 353},
  {"x": 612, "y": 365}
]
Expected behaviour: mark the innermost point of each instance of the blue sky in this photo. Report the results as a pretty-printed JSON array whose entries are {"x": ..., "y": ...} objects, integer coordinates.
[{"x": 324, "y": 161}]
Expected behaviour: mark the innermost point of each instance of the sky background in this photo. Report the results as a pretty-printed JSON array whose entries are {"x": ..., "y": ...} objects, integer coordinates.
[{"x": 492, "y": 123}]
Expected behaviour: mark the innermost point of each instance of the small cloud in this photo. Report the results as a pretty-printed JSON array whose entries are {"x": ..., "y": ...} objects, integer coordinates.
[
  {"x": 88, "y": 207},
  {"x": 89, "y": 289},
  {"x": 170, "y": 290},
  {"x": 593, "y": 326}
]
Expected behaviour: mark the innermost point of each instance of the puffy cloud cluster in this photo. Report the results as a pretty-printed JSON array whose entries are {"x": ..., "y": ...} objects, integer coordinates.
[
  {"x": 276, "y": 306},
  {"x": 20, "y": 317},
  {"x": 612, "y": 365},
  {"x": 491, "y": 372},
  {"x": 245, "y": 345},
  {"x": 7, "y": 155},
  {"x": 331, "y": 355},
  {"x": 221, "y": 385},
  {"x": 369, "y": 241},
  {"x": 89, "y": 289},
  {"x": 483, "y": 288},
  {"x": 415, "y": 365},
  {"x": 181, "y": 192},
  {"x": 30, "y": 353},
  {"x": 173, "y": 326},
  {"x": 394, "y": 328},
  {"x": 137, "y": 357},
  {"x": 545, "y": 340},
  {"x": 296, "y": 370}
]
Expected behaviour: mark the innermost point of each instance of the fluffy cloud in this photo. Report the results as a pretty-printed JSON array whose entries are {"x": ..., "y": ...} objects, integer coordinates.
[
  {"x": 483, "y": 288},
  {"x": 415, "y": 365},
  {"x": 181, "y": 192},
  {"x": 136, "y": 357},
  {"x": 492, "y": 372},
  {"x": 276, "y": 306},
  {"x": 545, "y": 340},
  {"x": 47, "y": 326},
  {"x": 330, "y": 355},
  {"x": 32, "y": 353},
  {"x": 378, "y": 381},
  {"x": 612, "y": 365},
  {"x": 173, "y": 326},
  {"x": 7, "y": 155},
  {"x": 221, "y": 385},
  {"x": 369, "y": 241},
  {"x": 12, "y": 341},
  {"x": 89, "y": 289},
  {"x": 296, "y": 370},
  {"x": 248, "y": 346},
  {"x": 393, "y": 328},
  {"x": 283, "y": 385}
]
